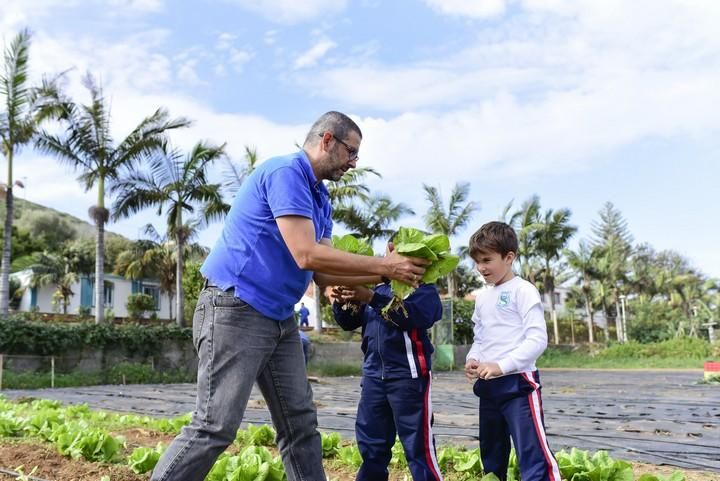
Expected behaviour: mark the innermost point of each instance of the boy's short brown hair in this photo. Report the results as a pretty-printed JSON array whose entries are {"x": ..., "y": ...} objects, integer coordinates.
[{"x": 493, "y": 237}]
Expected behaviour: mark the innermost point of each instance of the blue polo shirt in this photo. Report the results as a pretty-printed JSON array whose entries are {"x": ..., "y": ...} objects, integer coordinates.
[{"x": 250, "y": 255}]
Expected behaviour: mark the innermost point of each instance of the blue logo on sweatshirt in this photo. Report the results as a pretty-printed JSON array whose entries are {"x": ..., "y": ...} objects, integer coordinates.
[{"x": 504, "y": 299}]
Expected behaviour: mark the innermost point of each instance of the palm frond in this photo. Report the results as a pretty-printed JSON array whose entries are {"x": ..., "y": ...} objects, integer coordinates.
[{"x": 13, "y": 81}]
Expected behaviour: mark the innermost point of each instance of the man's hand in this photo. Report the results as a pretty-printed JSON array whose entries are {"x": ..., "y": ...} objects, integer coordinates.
[
  {"x": 405, "y": 269},
  {"x": 471, "y": 366},
  {"x": 488, "y": 370},
  {"x": 344, "y": 294}
]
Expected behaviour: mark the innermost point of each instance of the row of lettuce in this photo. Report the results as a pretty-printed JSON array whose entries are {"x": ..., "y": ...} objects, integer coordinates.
[{"x": 81, "y": 433}]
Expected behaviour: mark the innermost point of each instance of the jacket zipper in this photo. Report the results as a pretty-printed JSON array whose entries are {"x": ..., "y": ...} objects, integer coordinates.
[{"x": 380, "y": 342}]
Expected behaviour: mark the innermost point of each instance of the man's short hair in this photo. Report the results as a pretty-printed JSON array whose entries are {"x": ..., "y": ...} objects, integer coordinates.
[
  {"x": 337, "y": 123},
  {"x": 493, "y": 237}
]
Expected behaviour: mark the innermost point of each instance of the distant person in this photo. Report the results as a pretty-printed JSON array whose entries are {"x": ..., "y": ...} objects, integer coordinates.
[
  {"x": 306, "y": 343},
  {"x": 304, "y": 312},
  {"x": 396, "y": 377},
  {"x": 276, "y": 237},
  {"x": 510, "y": 335}
]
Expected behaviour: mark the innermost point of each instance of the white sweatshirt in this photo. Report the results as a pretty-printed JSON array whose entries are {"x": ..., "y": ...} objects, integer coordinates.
[{"x": 509, "y": 326}]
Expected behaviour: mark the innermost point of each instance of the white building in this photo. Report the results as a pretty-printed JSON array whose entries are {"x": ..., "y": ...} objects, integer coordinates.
[{"x": 117, "y": 291}]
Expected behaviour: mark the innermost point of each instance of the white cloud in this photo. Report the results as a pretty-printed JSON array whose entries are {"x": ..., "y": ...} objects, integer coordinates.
[
  {"x": 270, "y": 37},
  {"x": 187, "y": 73},
  {"x": 550, "y": 90},
  {"x": 315, "y": 53},
  {"x": 132, "y": 62},
  {"x": 137, "y": 5},
  {"x": 225, "y": 41},
  {"x": 469, "y": 8},
  {"x": 15, "y": 14},
  {"x": 291, "y": 11},
  {"x": 238, "y": 58}
]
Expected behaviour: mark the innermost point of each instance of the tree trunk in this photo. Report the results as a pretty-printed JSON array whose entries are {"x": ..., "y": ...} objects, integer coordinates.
[
  {"x": 451, "y": 285},
  {"x": 606, "y": 328},
  {"x": 100, "y": 273},
  {"x": 618, "y": 322},
  {"x": 588, "y": 313},
  {"x": 553, "y": 316},
  {"x": 318, "y": 308},
  {"x": 178, "y": 281},
  {"x": 550, "y": 289},
  {"x": 7, "y": 249},
  {"x": 624, "y": 320}
]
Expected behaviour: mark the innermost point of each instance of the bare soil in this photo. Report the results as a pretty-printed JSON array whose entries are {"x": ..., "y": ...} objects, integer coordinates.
[{"x": 52, "y": 466}]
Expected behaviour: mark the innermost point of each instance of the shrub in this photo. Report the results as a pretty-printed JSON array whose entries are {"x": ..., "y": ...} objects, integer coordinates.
[
  {"x": 683, "y": 347},
  {"x": 463, "y": 325},
  {"x": 18, "y": 336},
  {"x": 138, "y": 304}
]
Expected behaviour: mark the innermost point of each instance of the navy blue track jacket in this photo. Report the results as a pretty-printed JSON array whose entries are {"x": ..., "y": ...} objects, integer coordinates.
[{"x": 402, "y": 349}]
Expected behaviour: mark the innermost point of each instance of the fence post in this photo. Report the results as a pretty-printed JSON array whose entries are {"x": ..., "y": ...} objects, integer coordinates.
[
  {"x": 52, "y": 371},
  {"x": 1, "y": 369}
]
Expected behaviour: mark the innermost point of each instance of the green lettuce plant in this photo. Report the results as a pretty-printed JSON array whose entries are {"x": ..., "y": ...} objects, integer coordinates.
[{"x": 433, "y": 247}]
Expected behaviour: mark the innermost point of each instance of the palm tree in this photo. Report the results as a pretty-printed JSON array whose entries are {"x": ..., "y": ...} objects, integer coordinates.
[
  {"x": 523, "y": 221},
  {"x": 155, "y": 258},
  {"x": 452, "y": 220},
  {"x": 56, "y": 269},
  {"x": 17, "y": 127},
  {"x": 177, "y": 184},
  {"x": 349, "y": 188},
  {"x": 235, "y": 174},
  {"x": 550, "y": 236},
  {"x": 372, "y": 219},
  {"x": 583, "y": 262},
  {"x": 614, "y": 241},
  {"x": 87, "y": 144}
]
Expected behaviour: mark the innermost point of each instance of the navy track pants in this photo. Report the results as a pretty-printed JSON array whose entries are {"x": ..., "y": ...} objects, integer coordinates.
[
  {"x": 391, "y": 406},
  {"x": 511, "y": 407}
]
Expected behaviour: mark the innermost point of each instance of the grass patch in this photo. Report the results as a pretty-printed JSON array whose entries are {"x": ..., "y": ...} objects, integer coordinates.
[
  {"x": 680, "y": 353},
  {"x": 123, "y": 373},
  {"x": 333, "y": 369}
]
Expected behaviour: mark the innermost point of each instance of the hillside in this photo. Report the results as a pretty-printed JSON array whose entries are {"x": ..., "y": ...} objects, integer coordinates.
[
  {"x": 25, "y": 210},
  {"x": 44, "y": 228}
]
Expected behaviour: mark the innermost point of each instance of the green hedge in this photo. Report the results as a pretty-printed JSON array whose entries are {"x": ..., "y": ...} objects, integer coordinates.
[
  {"x": 463, "y": 325},
  {"x": 18, "y": 336}
]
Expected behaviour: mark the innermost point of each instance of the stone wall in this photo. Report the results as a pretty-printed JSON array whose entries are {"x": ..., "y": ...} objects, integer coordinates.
[
  {"x": 178, "y": 355},
  {"x": 173, "y": 355}
]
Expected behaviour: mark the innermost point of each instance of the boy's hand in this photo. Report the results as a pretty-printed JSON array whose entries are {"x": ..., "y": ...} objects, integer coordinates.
[
  {"x": 471, "y": 366},
  {"x": 335, "y": 292},
  {"x": 488, "y": 370},
  {"x": 345, "y": 294}
]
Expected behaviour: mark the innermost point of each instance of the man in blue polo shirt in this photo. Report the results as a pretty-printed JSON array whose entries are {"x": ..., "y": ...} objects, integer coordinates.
[{"x": 276, "y": 238}]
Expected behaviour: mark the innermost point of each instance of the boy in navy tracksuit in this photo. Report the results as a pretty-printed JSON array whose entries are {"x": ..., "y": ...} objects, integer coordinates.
[
  {"x": 510, "y": 334},
  {"x": 395, "y": 393}
]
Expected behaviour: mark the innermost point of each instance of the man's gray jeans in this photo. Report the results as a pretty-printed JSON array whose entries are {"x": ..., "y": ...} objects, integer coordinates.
[{"x": 237, "y": 346}]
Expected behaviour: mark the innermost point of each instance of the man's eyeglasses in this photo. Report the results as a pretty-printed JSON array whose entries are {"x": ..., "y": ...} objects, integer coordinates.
[{"x": 352, "y": 151}]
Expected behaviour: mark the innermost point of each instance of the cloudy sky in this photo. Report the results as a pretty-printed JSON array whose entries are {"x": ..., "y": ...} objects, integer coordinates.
[{"x": 578, "y": 101}]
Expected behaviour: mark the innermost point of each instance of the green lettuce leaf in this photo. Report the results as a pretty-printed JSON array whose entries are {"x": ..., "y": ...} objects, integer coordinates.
[
  {"x": 352, "y": 244},
  {"x": 442, "y": 267},
  {"x": 438, "y": 243},
  {"x": 416, "y": 249}
]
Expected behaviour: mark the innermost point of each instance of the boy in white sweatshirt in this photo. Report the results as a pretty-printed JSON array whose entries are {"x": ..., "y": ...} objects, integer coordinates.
[{"x": 510, "y": 334}]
